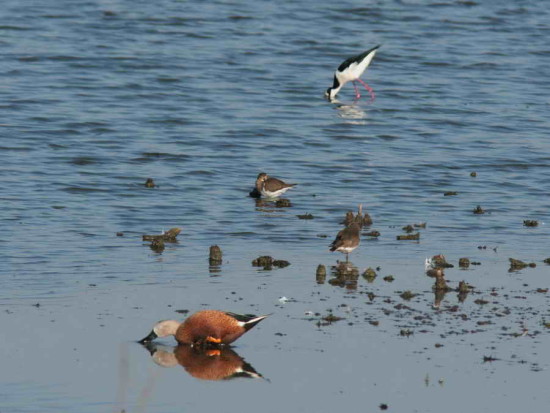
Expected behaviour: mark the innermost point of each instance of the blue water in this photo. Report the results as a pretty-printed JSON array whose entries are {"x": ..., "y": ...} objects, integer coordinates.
[{"x": 97, "y": 96}]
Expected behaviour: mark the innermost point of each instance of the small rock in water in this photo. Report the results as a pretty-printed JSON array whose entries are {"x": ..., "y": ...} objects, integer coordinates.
[
  {"x": 518, "y": 264},
  {"x": 268, "y": 263},
  {"x": 439, "y": 261},
  {"x": 473, "y": 174},
  {"x": 450, "y": 193},
  {"x": 255, "y": 193},
  {"x": 305, "y": 216},
  {"x": 409, "y": 237},
  {"x": 168, "y": 236},
  {"x": 374, "y": 234},
  {"x": 215, "y": 255},
  {"x": 149, "y": 183},
  {"x": 407, "y": 295},
  {"x": 120, "y": 234},
  {"x": 463, "y": 262},
  {"x": 369, "y": 274},
  {"x": 157, "y": 245},
  {"x": 321, "y": 274},
  {"x": 530, "y": 223},
  {"x": 478, "y": 210}
]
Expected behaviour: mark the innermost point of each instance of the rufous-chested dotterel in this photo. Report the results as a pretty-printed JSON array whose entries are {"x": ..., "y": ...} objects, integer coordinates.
[
  {"x": 206, "y": 327},
  {"x": 347, "y": 240},
  {"x": 271, "y": 187}
]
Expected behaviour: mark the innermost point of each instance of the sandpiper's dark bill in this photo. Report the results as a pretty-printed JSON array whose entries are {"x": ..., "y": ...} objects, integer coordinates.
[{"x": 350, "y": 71}]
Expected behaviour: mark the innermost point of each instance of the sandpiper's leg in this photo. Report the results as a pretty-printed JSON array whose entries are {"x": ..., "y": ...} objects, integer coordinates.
[
  {"x": 369, "y": 89},
  {"x": 357, "y": 94}
]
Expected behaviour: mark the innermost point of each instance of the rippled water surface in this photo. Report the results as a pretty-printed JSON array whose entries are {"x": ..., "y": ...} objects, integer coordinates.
[{"x": 99, "y": 95}]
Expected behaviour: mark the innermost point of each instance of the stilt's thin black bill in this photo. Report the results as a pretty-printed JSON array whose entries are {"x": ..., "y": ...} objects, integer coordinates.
[{"x": 152, "y": 335}]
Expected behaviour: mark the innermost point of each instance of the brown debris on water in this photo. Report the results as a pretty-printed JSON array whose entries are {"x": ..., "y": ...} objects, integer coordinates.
[
  {"x": 306, "y": 216},
  {"x": 464, "y": 262},
  {"x": 420, "y": 225},
  {"x": 439, "y": 261},
  {"x": 149, "y": 183},
  {"x": 120, "y": 234},
  {"x": 369, "y": 274},
  {"x": 407, "y": 295},
  {"x": 374, "y": 234},
  {"x": 364, "y": 220},
  {"x": 389, "y": 278},
  {"x": 331, "y": 318},
  {"x": 516, "y": 265},
  {"x": 409, "y": 237},
  {"x": 268, "y": 263},
  {"x": 215, "y": 257},
  {"x": 530, "y": 223},
  {"x": 283, "y": 203},
  {"x": 157, "y": 245},
  {"x": 168, "y": 236},
  {"x": 450, "y": 193},
  {"x": 321, "y": 274},
  {"x": 473, "y": 174},
  {"x": 408, "y": 229},
  {"x": 478, "y": 210}
]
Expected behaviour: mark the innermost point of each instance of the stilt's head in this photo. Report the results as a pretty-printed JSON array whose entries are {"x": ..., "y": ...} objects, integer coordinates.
[
  {"x": 161, "y": 329},
  {"x": 334, "y": 89}
]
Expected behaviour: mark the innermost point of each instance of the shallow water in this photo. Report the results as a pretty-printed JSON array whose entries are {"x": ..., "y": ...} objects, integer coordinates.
[{"x": 100, "y": 95}]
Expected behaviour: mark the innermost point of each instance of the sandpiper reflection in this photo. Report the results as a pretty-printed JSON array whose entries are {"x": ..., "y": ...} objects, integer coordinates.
[
  {"x": 203, "y": 363},
  {"x": 345, "y": 274}
]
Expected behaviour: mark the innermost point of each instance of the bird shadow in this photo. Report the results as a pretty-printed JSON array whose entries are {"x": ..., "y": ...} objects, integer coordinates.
[{"x": 204, "y": 363}]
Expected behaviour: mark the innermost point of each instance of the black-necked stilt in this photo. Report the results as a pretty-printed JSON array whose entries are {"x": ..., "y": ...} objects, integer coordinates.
[
  {"x": 271, "y": 187},
  {"x": 347, "y": 240},
  {"x": 350, "y": 71}
]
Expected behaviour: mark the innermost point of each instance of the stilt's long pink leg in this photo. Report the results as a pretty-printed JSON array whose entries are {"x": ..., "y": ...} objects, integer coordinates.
[
  {"x": 357, "y": 94},
  {"x": 369, "y": 89}
]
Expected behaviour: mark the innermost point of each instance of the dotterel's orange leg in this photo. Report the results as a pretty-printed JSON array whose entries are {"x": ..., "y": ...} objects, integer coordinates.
[{"x": 215, "y": 340}]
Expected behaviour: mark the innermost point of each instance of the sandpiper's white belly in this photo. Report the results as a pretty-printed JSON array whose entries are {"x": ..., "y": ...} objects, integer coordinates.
[
  {"x": 346, "y": 250},
  {"x": 274, "y": 194}
]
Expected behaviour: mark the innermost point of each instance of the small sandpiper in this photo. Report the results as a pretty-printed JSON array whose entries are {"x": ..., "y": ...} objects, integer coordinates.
[
  {"x": 350, "y": 71},
  {"x": 271, "y": 187},
  {"x": 347, "y": 240}
]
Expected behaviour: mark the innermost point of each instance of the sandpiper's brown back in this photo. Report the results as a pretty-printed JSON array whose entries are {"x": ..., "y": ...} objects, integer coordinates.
[{"x": 274, "y": 184}]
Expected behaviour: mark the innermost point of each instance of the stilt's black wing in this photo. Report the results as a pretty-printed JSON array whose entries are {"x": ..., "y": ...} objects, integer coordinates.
[{"x": 355, "y": 59}]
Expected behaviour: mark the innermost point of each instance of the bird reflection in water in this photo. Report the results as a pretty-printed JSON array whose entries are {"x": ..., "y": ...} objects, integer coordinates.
[
  {"x": 219, "y": 363},
  {"x": 353, "y": 114}
]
